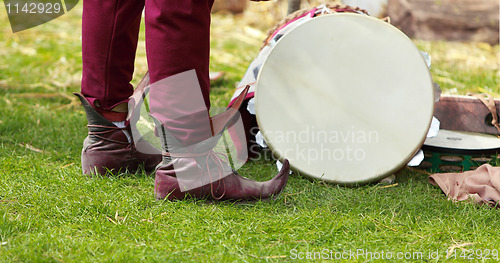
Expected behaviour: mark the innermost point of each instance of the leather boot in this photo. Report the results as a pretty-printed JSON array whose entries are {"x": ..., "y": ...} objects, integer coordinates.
[
  {"x": 197, "y": 171},
  {"x": 107, "y": 148}
]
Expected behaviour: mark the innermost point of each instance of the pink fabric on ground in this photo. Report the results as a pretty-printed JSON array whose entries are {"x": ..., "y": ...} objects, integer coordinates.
[{"x": 481, "y": 185}]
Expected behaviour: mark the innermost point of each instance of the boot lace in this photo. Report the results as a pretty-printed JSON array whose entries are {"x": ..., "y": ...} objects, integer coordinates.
[{"x": 216, "y": 158}]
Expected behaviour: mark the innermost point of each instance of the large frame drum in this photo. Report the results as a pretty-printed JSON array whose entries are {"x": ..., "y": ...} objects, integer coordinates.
[{"x": 346, "y": 98}]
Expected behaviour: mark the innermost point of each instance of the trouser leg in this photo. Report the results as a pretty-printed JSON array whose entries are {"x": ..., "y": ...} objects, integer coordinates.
[
  {"x": 177, "y": 41},
  {"x": 109, "y": 41}
]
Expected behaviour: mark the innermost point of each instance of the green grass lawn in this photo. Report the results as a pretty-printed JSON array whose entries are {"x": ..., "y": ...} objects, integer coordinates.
[{"x": 50, "y": 212}]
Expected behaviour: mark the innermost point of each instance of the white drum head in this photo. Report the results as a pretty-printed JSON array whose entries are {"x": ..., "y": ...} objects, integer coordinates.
[
  {"x": 347, "y": 98},
  {"x": 462, "y": 141}
]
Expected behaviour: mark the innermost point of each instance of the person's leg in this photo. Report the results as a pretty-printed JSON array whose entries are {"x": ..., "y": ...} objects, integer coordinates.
[
  {"x": 177, "y": 46},
  {"x": 109, "y": 41},
  {"x": 178, "y": 39}
]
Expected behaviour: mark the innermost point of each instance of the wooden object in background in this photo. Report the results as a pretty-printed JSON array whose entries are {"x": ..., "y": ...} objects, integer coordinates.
[
  {"x": 456, "y": 20},
  {"x": 233, "y": 6}
]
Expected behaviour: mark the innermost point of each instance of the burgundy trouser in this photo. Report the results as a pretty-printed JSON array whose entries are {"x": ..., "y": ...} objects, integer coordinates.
[{"x": 177, "y": 40}]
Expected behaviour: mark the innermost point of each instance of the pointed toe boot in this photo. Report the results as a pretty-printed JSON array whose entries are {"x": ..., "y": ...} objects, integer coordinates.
[
  {"x": 197, "y": 171},
  {"x": 110, "y": 149}
]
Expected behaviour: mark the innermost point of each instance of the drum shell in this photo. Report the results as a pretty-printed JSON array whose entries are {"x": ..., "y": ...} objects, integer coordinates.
[
  {"x": 444, "y": 161},
  {"x": 456, "y": 151}
]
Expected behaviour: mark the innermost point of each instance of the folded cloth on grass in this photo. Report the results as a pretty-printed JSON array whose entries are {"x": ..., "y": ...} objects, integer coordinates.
[{"x": 481, "y": 185}]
